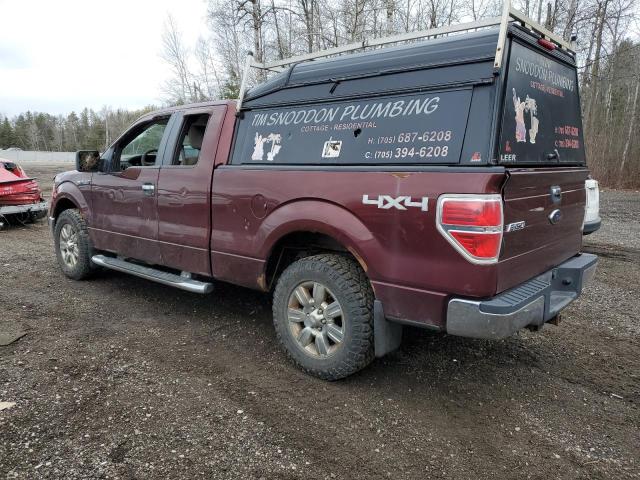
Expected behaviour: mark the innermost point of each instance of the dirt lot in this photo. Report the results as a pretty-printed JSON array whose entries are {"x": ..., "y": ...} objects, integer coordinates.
[{"x": 122, "y": 378}]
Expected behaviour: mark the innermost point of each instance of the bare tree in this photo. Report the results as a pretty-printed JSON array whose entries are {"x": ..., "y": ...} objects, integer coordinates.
[
  {"x": 250, "y": 12},
  {"x": 182, "y": 87},
  {"x": 630, "y": 130}
]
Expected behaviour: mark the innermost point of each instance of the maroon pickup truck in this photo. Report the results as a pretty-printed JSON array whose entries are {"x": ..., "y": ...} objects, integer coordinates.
[{"x": 439, "y": 184}]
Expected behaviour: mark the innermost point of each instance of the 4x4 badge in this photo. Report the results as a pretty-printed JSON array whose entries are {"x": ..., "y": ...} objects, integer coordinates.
[{"x": 386, "y": 202}]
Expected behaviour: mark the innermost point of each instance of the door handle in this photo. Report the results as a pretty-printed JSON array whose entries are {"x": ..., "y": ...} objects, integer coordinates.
[{"x": 148, "y": 188}]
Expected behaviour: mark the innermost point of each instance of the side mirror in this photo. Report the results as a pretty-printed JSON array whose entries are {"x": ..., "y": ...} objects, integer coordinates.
[{"x": 87, "y": 160}]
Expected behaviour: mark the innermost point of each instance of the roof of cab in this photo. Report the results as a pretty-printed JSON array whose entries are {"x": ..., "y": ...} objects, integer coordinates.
[{"x": 188, "y": 106}]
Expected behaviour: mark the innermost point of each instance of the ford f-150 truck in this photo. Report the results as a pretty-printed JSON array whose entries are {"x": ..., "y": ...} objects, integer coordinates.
[{"x": 439, "y": 184}]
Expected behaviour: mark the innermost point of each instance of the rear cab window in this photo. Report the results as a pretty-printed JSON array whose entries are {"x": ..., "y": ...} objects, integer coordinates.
[
  {"x": 190, "y": 139},
  {"x": 541, "y": 118}
]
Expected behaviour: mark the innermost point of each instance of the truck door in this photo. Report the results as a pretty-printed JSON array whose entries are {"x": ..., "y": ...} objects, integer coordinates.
[
  {"x": 124, "y": 199},
  {"x": 184, "y": 190}
]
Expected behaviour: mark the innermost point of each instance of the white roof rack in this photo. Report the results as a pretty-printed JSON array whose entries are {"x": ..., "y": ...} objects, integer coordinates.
[{"x": 509, "y": 14}]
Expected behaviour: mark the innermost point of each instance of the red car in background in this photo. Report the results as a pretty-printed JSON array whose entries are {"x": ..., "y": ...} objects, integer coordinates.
[{"x": 20, "y": 196}]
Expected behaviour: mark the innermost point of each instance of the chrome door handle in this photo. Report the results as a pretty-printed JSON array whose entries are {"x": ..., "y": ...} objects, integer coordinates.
[{"x": 148, "y": 188}]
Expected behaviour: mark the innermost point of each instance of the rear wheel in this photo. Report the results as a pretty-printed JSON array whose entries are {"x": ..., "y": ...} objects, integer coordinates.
[
  {"x": 323, "y": 315},
  {"x": 73, "y": 246}
]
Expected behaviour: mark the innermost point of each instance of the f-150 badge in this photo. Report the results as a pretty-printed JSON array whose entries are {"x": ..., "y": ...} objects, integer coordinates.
[
  {"x": 515, "y": 226},
  {"x": 387, "y": 202}
]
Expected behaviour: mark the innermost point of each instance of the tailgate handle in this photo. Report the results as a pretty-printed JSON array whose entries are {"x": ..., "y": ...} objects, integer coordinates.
[{"x": 556, "y": 194}]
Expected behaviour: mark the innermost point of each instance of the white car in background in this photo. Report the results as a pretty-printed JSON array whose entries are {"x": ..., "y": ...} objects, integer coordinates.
[{"x": 592, "y": 218}]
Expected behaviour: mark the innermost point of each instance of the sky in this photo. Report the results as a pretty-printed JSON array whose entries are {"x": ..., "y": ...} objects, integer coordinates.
[{"x": 64, "y": 55}]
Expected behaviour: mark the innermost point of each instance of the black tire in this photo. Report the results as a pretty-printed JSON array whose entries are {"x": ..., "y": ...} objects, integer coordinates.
[
  {"x": 346, "y": 284},
  {"x": 82, "y": 268}
]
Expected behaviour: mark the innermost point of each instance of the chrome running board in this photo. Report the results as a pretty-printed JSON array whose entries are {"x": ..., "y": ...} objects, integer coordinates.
[{"x": 183, "y": 282}]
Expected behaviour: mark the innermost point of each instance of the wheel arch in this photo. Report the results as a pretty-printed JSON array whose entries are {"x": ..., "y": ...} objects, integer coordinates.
[
  {"x": 61, "y": 205},
  {"x": 68, "y": 196},
  {"x": 300, "y": 233}
]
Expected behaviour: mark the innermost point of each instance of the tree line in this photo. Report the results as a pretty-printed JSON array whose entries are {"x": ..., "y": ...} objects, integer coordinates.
[
  {"x": 606, "y": 43},
  {"x": 76, "y": 131}
]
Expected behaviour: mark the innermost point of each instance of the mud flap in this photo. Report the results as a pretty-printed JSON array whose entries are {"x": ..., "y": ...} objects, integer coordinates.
[{"x": 387, "y": 335}]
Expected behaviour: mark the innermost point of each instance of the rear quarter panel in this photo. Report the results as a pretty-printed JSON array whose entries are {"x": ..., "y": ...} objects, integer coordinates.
[{"x": 411, "y": 266}]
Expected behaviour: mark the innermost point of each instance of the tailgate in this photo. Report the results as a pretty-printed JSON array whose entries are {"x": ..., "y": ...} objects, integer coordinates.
[
  {"x": 541, "y": 146},
  {"x": 543, "y": 215}
]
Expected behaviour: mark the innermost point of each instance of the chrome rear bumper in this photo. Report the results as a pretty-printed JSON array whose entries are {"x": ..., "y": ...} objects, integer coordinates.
[{"x": 530, "y": 304}]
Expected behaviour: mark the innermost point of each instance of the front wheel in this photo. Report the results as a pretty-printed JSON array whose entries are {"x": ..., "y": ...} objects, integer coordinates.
[
  {"x": 323, "y": 315},
  {"x": 73, "y": 246}
]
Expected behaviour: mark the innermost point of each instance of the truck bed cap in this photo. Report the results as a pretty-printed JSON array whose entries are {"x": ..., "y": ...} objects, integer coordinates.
[
  {"x": 454, "y": 49},
  {"x": 469, "y": 55}
]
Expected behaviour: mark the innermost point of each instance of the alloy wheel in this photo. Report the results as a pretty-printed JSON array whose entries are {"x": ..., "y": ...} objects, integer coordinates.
[
  {"x": 316, "y": 320},
  {"x": 69, "y": 245}
]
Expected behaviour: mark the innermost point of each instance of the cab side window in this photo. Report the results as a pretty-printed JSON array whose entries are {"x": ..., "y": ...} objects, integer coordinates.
[
  {"x": 140, "y": 148},
  {"x": 190, "y": 140}
]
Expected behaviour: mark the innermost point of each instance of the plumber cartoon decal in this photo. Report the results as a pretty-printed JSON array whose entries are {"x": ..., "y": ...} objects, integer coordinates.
[
  {"x": 528, "y": 106},
  {"x": 258, "y": 146}
]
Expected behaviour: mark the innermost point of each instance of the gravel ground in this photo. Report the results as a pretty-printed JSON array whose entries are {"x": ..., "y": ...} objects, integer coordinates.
[{"x": 122, "y": 378}]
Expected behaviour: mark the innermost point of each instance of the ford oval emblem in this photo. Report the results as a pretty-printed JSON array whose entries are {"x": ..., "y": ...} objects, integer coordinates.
[{"x": 555, "y": 216}]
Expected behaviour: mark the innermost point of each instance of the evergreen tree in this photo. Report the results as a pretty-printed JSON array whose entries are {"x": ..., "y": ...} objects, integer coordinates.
[
  {"x": 72, "y": 127},
  {"x": 21, "y": 132},
  {"x": 7, "y": 137}
]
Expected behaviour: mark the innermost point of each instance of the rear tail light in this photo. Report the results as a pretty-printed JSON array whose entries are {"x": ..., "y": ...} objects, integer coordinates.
[{"x": 472, "y": 224}]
